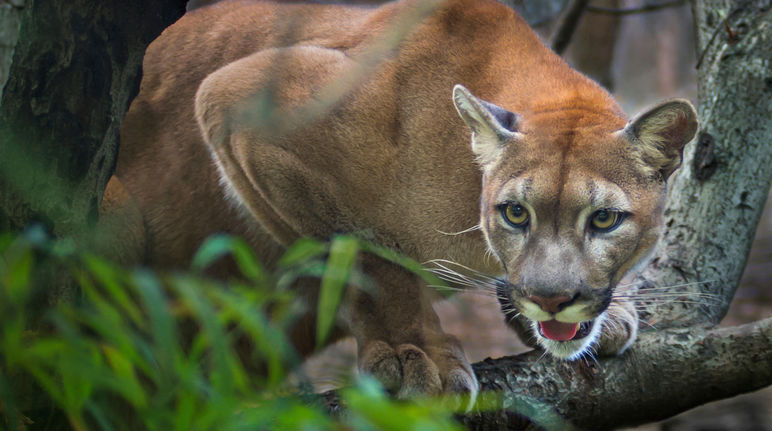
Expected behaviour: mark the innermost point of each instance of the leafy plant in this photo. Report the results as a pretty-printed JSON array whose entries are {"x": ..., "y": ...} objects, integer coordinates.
[{"x": 165, "y": 351}]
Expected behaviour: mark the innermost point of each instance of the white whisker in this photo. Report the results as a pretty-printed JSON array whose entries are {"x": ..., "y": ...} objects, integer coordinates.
[
  {"x": 540, "y": 357},
  {"x": 666, "y": 287},
  {"x": 468, "y": 283},
  {"x": 677, "y": 301},
  {"x": 488, "y": 256},
  {"x": 660, "y": 294},
  {"x": 471, "y": 229},
  {"x": 443, "y": 262},
  {"x": 471, "y": 290}
]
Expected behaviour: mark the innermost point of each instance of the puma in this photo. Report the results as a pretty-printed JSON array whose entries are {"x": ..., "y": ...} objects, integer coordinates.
[{"x": 275, "y": 121}]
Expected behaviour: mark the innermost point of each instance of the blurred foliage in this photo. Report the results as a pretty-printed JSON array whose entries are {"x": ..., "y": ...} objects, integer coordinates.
[{"x": 145, "y": 350}]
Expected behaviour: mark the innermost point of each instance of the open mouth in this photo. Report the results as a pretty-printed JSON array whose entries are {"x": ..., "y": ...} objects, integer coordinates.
[{"x": 561, "y": 331}]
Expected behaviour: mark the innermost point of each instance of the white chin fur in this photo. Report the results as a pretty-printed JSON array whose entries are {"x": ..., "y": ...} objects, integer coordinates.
[{"x": 571, "y": 349}]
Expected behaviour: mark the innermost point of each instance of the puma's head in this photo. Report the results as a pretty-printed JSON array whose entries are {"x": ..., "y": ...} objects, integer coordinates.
[{"x": 572, "y": 200}]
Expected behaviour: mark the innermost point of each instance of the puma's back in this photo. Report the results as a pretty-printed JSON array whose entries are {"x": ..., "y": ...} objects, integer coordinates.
[
  {"x": 163, "y": 161},
  {"x": 399, "y": 114}
]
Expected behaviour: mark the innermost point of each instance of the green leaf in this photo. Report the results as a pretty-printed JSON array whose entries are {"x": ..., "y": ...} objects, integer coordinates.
[
  {"x": 162, "y": 324},
  {"x": 15, "y": 275},
  {"x": 272, "y": 344},
  {"x": 343, "y": 253},
  {"x": 6, "y": 239},
  {"x": 185, "y": 412},
  {"x": 247, "y": 261},
  {"x": 227, "y": 373},
  {"x": 403, "y": 261},
  {"x": 125, "y": 375},
  {"x": 99, "y": 416},
  {"x": 302, "y": 251},
  {"x": 8, "y": 403},
  {"x": 215, "y": 247},
  {"x": 110, "y": 277},
  {"x": 313, "y": 268}
]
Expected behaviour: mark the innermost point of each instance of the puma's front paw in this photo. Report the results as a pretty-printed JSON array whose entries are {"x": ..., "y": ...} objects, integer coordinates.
[
  {"x": 619, "y": 329},
  {"x": 408, "y": 370}
]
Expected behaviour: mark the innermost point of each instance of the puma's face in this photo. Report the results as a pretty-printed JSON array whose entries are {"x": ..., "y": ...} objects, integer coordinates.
[
  {"x": 566, "y": 230},
  {"x": 571, "y": 201}
]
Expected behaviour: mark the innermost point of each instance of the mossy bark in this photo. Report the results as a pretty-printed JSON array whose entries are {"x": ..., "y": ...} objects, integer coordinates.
[{"x": 75, "y": 68}]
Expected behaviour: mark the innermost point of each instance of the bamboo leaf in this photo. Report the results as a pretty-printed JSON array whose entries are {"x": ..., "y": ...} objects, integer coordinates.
[
  {"x": 343, "y": 253},
  {"x": 214, "y": 248},
  {"x": 302, "y": 251}
]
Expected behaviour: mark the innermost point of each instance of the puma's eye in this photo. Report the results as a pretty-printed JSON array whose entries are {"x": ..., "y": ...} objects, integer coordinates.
[
  {"x": 515, "y": 215},
  {"x": 605, "y": 220}
]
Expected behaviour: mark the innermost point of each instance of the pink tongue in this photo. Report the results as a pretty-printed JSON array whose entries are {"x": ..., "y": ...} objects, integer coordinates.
[{"x": 558, "y": 331}]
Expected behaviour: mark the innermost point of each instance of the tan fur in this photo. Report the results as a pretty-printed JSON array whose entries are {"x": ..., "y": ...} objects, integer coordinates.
[{"x": 275, "y": 121}]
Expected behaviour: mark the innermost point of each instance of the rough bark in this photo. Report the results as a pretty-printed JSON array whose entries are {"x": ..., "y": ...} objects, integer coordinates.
[
  {"x": 75, "y": 68},
  {"x": 716, "y": 198},
  {"x": 10, "y": 18},
  {"x": 665, "y": 373}
]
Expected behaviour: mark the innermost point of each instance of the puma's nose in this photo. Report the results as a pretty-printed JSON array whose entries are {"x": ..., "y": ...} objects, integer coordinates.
[{"x": 553, "y": 304}]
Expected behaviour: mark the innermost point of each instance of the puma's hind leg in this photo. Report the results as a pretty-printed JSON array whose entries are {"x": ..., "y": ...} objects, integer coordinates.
[{"x": 120, "y": 234}]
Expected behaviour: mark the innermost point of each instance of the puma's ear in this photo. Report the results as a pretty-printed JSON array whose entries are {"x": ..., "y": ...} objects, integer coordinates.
[
  {"x": 492, "y": 126},
  {"x": 660, "y": 134}
]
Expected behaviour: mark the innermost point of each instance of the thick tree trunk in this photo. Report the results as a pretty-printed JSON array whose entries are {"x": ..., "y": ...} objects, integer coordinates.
[
  {"x": 718, "y": 195},
  {"x": 10, "y": 19},
  {"x": 75, "y": 68}
]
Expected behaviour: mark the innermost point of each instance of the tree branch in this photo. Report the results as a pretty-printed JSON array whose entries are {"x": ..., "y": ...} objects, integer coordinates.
[
  {"x": 635, "y": 10},
  {"x": 665, "y": 373},
  {"x": 567, "y": 26}
]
